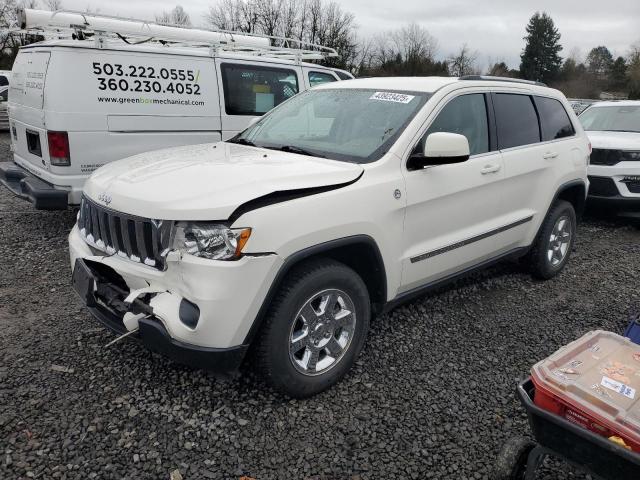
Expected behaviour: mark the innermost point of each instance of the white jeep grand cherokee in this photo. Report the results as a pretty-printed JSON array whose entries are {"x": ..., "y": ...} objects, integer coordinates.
[
  {"x": 336, "y": 206},
  {"x": 614, "y": 170}
]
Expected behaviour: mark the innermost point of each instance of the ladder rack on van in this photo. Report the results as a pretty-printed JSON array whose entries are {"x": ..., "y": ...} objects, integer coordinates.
[{"x": 82, "y": 26}]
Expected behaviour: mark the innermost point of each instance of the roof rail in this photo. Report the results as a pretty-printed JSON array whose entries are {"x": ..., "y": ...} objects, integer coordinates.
[
  {"x": 82, "y": 26},
  {"x": 489, "y": 78}
]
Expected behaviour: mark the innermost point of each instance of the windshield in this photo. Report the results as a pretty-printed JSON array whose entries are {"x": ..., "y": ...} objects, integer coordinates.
[
  {"x": 353, "y": 125},
  {"x": 612, "y": 119}
]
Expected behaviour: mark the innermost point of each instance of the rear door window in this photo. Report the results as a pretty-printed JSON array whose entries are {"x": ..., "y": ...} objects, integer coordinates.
[
  {"x": 554, "y": 120},
  {"x": 254, "y": 90},
  {"x": 516, "y": 119},
  {"x": 318, "y": 78}
]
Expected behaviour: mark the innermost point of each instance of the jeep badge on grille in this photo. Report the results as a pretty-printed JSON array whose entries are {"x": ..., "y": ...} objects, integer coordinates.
[{"x": 105, "y": 198}]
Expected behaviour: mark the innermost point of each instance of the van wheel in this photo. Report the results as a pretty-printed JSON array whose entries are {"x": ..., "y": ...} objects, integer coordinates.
[
  {"x": 555, "y": 241},
  {"x": 315, "y": 328}
]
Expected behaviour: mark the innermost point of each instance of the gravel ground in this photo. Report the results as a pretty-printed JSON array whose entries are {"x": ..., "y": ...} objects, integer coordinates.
[{"x": 431, "y": 397}]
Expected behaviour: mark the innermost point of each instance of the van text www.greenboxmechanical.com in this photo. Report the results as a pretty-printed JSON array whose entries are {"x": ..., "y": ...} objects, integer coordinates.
[{"x": 150, "y": 101}]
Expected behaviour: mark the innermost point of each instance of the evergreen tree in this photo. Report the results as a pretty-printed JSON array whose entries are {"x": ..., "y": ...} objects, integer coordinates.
[
  {"x": 499, "y": 69},
  {"x": 619, "y": 73},
  {"x": 540, "y": 58},
  {"x": 633, "y": 72}
]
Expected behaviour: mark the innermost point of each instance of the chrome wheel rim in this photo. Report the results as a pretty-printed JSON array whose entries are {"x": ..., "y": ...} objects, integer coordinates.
[
  {"x": 322, "y": 332},
  {"x": 559, "y": 241}
]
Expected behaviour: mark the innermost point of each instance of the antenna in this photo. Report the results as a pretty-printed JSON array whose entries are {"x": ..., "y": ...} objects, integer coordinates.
[{"x": 80, "y": 25}]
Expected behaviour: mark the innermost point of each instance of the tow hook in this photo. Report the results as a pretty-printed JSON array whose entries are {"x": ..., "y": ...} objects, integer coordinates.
[{"x": 130, "y": 320}]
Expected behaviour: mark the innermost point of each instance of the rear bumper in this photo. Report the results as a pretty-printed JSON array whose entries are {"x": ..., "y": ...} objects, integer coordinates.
[
  {"x": 43, "y": 195},
  {"x": 152, "y": 333}
]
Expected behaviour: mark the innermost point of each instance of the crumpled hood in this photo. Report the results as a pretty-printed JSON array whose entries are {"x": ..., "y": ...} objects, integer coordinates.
[
  {"x": 615, "y": 140},
  {"x": 209, "y": 181}
]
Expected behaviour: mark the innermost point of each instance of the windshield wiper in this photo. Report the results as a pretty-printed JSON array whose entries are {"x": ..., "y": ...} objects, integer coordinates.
[
  {"x": 298, "y": 150},
  {"x": 242, "y": 141}
]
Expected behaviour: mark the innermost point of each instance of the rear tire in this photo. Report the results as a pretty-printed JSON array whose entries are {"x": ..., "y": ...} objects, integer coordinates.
[
  {"x": 555, "y": 241},
  {"x": 315, "y": 328}
]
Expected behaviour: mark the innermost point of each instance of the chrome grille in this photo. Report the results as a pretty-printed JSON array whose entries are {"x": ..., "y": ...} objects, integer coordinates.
[{"x": 141, "y": 240}]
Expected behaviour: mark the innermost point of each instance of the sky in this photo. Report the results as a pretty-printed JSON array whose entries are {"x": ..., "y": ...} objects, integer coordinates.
[{"x": 493, "y": 28}]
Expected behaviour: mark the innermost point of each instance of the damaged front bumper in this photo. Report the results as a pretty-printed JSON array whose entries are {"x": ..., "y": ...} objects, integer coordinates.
[
  {"x": 197, "y": 312},
  {"x": 106, "y": 302}
]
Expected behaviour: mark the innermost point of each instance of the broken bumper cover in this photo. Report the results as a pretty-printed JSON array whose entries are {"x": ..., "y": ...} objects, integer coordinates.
[
  {"x": 88, "y": 282},
  {"x": 24, "y": 184}
]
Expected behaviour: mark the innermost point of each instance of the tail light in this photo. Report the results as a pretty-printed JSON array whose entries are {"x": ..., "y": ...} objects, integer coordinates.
[{"x": 59, "y": 149}]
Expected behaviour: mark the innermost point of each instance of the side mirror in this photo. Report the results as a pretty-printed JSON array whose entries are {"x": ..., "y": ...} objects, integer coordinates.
[{"x": 441, "y": 148}]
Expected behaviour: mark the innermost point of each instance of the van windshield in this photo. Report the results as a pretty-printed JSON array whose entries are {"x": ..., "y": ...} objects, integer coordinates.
[
  {"x": 611, "y": 119},
  {"x": 353, "y": 125}
]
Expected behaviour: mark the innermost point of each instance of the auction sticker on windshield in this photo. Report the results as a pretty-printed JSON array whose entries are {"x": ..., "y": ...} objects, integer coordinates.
[{"x": 392, "y": 97}]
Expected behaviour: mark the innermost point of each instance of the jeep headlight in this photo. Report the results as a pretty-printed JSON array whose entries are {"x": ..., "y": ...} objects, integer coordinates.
[
  {"x": 210, "y": 240},
  {"x": 631, "y": 156}
]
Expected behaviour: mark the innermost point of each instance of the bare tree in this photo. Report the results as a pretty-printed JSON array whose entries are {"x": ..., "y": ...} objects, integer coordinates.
[
  {"x": 463, "y": 62},
  {"x": 10, "y": 42},
  {"x": 293, "y": 11},
  {"x": 238, "y": 15},
  {"x": 311, "y": 21},
  {"x": 269, "y": 16},
  {"x": 224, "y": 15},
  {"x": 414, "y": 42},
  {"x": 53, "y": 5},
  {"x": 177, "y": 16},
  {"x": 410, "y": 50}
]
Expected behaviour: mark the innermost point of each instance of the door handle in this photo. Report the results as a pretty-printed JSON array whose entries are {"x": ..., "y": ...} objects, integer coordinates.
[
  {"x": 491, "y": 168},
  {"x": 550, "y": 155}
]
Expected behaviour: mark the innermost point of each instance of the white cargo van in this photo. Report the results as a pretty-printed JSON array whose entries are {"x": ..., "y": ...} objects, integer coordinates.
[{"x": 76, "y": 104}]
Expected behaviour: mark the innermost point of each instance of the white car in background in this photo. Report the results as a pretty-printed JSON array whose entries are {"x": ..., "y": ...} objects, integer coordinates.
[
  {"x": 5, "y": 76},
  {"x": 4, "y": 116},
  {"x": 614, "y": 170}
]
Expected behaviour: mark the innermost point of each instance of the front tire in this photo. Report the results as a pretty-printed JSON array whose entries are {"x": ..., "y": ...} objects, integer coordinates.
[
  {"x": 554, "y": 243},
  {"x": 315, "y": 328}
]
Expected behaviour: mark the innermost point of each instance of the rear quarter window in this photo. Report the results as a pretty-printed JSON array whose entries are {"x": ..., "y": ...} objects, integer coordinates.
[
  {"x": 254, "y": 90},
  {"x": 554, "y": 120},
  {"x": 516, "y": 120},
  {"x": 343, "y": 75},
  {"x": 318, "y": 78}
]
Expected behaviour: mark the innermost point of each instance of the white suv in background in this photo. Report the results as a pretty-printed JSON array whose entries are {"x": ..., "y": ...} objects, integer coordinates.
[
  {"x": 614, "y": 171},
  {"x": 341, "y": 203}
]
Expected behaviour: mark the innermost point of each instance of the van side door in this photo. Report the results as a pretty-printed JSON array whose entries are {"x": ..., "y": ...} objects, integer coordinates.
[
  {"x": 453, "y": 212},
  {"x": 249, "y": 89}
]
